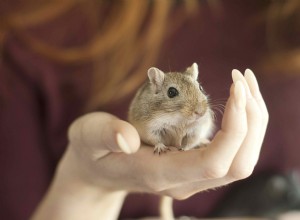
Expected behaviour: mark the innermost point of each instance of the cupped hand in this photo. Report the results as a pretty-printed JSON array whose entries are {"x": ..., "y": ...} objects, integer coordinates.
[{"x": 105, "y": 152}]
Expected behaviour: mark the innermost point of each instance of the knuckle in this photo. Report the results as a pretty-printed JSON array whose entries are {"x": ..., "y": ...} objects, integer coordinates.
[
  {"x": 179, "y": 195},
  {"x": 266, "y": 117},
  {"x": 264, "y": 112},
  {"x": 240, "y": 172},
  {"x": 215, "y": 172}
]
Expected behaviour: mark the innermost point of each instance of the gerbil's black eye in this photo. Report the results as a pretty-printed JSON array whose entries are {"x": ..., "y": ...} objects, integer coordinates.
[
  {"x": 200, "y": 87},
  {"x": 172, "y": 92}
]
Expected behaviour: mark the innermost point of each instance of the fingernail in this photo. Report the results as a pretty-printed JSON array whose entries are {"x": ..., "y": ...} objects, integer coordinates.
[
  {"x": 239, "y": 94},
  {"x": 251, "y": 79},
  {"x": 123, "y": 144},
  {"x": 238, "y": 76}
]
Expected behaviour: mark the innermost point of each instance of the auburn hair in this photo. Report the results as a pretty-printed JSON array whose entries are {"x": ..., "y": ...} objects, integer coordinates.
[
  {"x": 127, "y": 39},
  {"x": 129, "y": 35}
]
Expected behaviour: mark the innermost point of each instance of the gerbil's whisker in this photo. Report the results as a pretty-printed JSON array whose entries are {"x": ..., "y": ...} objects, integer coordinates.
[
  {"x": 218, "y": 101},
  {"x": 217, "y": 105},
  {"x": 219, "y": 108},
  {"x": 169, "y": 66},
  {"x": 213, "y": 114}
]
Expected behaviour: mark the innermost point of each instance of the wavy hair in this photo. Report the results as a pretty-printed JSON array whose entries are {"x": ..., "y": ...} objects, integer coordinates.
[
  {"x": 128, "y": 36},
  {"x": 127, "y": 39}
]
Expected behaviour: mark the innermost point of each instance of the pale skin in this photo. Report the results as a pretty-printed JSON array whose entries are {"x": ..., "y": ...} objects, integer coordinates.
[{"x": 104, "y": 160}]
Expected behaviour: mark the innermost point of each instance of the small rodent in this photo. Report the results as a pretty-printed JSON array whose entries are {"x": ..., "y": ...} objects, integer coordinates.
[{"x": 172, "y": 109}]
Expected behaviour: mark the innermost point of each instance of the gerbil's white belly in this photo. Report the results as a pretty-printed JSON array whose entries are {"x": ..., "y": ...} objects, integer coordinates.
[{"x": 177, "y": 132}]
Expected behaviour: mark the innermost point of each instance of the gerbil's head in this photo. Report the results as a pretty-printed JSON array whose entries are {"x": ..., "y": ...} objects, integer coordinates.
[{"x": 178, "y": 93}]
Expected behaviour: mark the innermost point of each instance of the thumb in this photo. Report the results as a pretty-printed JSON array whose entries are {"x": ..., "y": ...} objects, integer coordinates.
[{"x": 99, "y": 133}]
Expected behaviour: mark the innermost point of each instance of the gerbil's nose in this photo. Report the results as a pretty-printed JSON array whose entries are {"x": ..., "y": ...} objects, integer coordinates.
[
  {"x": 199, "y": 112},
  {"x": 200, "y": 109}
]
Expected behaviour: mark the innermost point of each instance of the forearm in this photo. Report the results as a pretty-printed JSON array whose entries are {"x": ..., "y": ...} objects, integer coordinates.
[{"x": 68, "y": 198}]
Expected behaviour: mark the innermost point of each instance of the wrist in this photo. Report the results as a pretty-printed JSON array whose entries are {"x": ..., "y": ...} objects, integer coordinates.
[{"x": 69, "y": 197}]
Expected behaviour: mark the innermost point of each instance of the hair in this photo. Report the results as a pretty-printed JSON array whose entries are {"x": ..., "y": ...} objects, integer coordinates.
[
  {"x": 282, "y": 20},
  {"x": 127, "y": 38}
]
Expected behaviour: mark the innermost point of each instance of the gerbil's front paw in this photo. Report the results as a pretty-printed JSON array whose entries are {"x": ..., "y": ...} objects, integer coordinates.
[
  {"x": 182, "y": 149},
  {"x": 204, "y": 143},
  {"x": 160, "y": 148}
]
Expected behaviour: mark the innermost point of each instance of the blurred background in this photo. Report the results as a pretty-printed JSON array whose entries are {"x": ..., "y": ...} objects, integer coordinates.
[{"x": 61, "y": 59}]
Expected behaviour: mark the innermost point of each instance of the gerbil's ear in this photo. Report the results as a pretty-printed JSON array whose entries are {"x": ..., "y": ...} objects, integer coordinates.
[
  {"x": 193, "y": 71},
  {"x": 156, "y": 78}
]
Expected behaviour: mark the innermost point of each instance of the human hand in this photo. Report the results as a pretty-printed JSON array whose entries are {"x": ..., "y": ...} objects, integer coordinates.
[{"x": 104, "y": 151}]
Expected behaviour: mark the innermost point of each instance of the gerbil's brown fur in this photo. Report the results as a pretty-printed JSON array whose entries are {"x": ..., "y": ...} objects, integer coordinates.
[{"x": 184, "y": 121}]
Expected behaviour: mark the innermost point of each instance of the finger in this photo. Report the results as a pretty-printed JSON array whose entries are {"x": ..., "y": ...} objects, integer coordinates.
[
  {"x": 254, "y": 88},
  {"x": 97, "y": 134},
  {"x": 223, "y": 148},
  {"x": 248, "y": 155},
  {"x": 238, "y": 76}
]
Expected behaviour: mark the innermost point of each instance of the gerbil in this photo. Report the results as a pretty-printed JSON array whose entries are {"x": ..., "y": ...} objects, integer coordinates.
[{"x": 171, "y": 109}]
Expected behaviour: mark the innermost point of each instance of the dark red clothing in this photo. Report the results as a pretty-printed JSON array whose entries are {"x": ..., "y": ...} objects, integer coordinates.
[{"x": 39, "y": 99}]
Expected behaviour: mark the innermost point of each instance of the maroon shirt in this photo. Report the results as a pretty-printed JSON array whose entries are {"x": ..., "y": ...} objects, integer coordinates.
[{"x": 39, "y": 99}]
